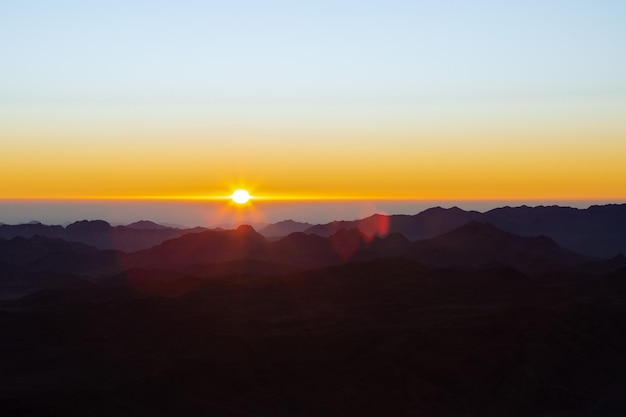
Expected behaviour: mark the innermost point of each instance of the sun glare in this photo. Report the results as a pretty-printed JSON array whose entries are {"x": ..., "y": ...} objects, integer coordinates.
[{"x": 240, "y": 196}]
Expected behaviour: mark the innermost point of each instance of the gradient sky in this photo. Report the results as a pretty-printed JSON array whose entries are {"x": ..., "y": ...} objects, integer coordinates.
[{"x": 374, "y": 99}]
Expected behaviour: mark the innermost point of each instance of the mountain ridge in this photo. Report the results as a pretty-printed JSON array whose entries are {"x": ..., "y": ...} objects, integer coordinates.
[{"x": 597, "y": 231}]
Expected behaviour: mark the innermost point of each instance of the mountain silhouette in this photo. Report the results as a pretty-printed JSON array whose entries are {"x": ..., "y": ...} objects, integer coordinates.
[
  {"x": 382, "y": 338},
  {"x": 304, "y": 250},
  {"x": 598, "y": 231},
  {"x": 136, "y": 236},
  {"x": 244, "y": 243},
  {"x": 28, "y": 230},
  {"x": 145, "y": 224},
  {"x": 99, "y": 262},
  {"x": 283, "y": 228},
  {"x": 482, "y": 244},
  {"x": 427, "y": 224},
  {"x": 203, "y": 247},
  {"x": 472, "y": 245},
  {"x": 439, "y": 314},
  {"x": 21, "y": 251}
]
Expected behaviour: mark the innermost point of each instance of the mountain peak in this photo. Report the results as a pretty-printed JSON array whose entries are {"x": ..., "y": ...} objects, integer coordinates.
[
  {"x": 245, "y": 228},
  {"x": 284, "y": 228},
  {"x": 145, "y": 224},
  {"x": 439, "y": 209},
  {"x": 99, "y": 224}
]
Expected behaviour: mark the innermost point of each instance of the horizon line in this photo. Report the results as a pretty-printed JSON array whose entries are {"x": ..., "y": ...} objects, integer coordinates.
[{"x": 309, "y": 198}]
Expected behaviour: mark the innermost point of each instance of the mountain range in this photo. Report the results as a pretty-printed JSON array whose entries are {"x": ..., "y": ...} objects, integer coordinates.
[
  {"x": 595, "y": 231},
  {"x": 99, "y": 233},
  {"x": 442, "y": 313},
  {"x": 598, "y": 231},
  {"x": 208, "y": 253}
]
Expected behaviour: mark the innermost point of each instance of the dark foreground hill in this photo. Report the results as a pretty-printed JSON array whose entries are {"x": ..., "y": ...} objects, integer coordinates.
[
  {"x": 476, "y": 321},
  {"x": 382, "y": 338}
]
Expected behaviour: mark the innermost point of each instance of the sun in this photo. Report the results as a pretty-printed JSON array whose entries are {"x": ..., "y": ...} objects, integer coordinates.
[{"x": 240, "y": 196}]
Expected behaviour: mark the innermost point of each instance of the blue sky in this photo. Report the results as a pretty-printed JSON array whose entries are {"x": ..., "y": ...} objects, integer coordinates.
[{"x": 77, "y": 52}]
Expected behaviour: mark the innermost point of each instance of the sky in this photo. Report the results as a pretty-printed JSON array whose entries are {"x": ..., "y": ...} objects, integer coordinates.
[{"x": 309, "y": 101}]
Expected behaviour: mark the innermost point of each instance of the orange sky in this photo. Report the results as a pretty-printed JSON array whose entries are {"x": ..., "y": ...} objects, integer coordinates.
[{"x": 498, "y": 152}]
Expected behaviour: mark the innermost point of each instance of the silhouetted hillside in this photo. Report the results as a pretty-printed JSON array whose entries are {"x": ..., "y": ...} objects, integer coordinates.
[
  {"x": 427, "y": 224},
  {"x": 98, "y": 233},
  {"x": 297, "y": 249},
  {"x": 383, "y": 338},
  {"x": 474, "y": 321},
  {"x": 28, "y": 230},
  {"x": 20, "y": 251},
  {"x": 89, "y": 263},
  {"x": 207, "y": 246},
  {"x": 104, "y": 236},
  {"x": 597, "y": 231},
  {"x": 482, "y": 244},
  {"x": 603, "y": 265},
  {"x": 472, "y": 245},
  {"x": 145, "y": 224},
  {"x": 303, "y": 250},
  {"x": 283, "y": 228}
]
